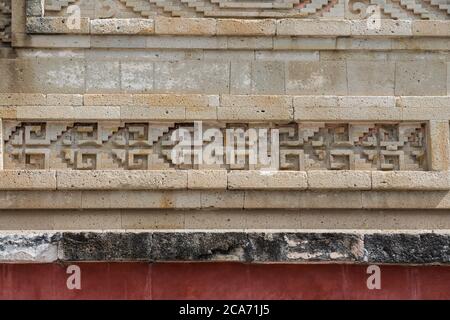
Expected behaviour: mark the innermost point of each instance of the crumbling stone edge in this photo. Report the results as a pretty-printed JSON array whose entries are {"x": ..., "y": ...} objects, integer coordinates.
[{"x": 240, "y": 246}]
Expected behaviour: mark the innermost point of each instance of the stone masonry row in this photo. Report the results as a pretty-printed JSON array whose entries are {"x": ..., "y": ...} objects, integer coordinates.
[{"x": 251, "y": 246}]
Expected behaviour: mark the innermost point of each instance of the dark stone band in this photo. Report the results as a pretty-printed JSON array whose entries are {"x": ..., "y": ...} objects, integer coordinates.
[{"x": 250, "y": 247}]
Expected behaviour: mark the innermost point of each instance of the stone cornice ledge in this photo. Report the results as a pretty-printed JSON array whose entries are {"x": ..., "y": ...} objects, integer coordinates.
[
  {"x": 240, "y": 27},
  {"x": 254, "y": 246},
  {"x": 71, "y": 180}
]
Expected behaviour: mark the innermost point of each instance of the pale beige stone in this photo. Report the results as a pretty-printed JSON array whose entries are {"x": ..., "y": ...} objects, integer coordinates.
[
  {"x": 435, "y": 28},
  {"x": 309, "y": 27},
  {"x": 265, "y": 27},
  {"x": 388, "y": 28},
  {"x": 122, "y": 26},
  {"x": 152, "y": 219},
  {"x": 254, "y": 113},
  {"x": 260, "y": 179},
  {"x": 27, "y": 179},
  {"x": 87, "y": 220},
  {"x": 410, "y": 180},
  {"x": 121, "y": 180},
  {"x": 177, "y": 199},
  {"x": 344, "y": 180},
  {"x": 185, "y": 26},
  {"x": 111, "y": 99},
  {"x": 439, "y": 145},
  {"x": 255, "y": 101},
  {"x": 207, "y": 179},
  {"x": 56, "y": 25},
  {"x": 222, "y": 199}
]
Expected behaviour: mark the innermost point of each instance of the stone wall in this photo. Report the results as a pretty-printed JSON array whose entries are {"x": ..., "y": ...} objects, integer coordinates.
[{"x": 352, "y": 98}]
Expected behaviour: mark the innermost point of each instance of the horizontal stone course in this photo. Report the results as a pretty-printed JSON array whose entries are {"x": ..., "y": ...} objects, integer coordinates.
[
  {"x": 221, "y": 179},
  {"x": 244, "y": 27},
  {"x": 290, "y": 246}
]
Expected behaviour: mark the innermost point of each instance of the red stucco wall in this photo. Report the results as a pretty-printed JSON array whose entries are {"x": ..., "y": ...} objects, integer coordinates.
[{"x": 221, "y": 281}]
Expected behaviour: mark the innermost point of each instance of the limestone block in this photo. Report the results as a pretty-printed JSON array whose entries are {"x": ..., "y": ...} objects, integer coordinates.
[
  {"x": 56, "y": 25},
  {"x": 152, "y": 219},
  {"x": 250, "y": 42},
  {"x": 118, "y": 41},
  {"x": 302, "y": 43},
  {"x": 34, "y": 8},
  {"x": 265, "y": 27},
  {"x": 217, "y": 219},
  {"x": 177, "y": 199},
  {"x": 388, "y": 28},
  {"x": 27, "y": 180},
  {"x": 345, "y": 180},
  {"x": 85, "y": 220},
  {"x": 102, "y": 76},
  {"x": 175, "y": 100},
  {"x": 110, "y": 99},
  {"x": 121, "y": 180},
  {"x": 324, "y": 77},
  {"x": 64, "y": 100},
  {"x": 1, "y": 144},
  {"x": 405, "y": 199},
  {"x": 22, "y": 99},
  {"x": 136, "y": 76},
  {"x": 439, "y": 149},
  {"x": 185, "y": 26},
  {"x": 309, "y": 27},
  {"x": 192, "y": 77},
  {"x": 340, "y": 114},
  {"x": 227, "y": 100},
  {"x": 241, "y": 77},
  {"x": 420, "y": 78},
  {"x": 122, "y": 26},
  {"x": 254, "y": 113},
  {"x": 423, "y": 102},
  {"x": 410, "y": 180},
  {"x": 186, "y": 42},
  {"x": 68, "y": 113},
  {"x": 222, "y": 199},
  {"x": 268, "y": 77},
  {"x": 152, "y": 113},
  {"x": 201, "y": 113},
  {"x": 207, "y": 179},
  {"x": 286, "y": 55},
  {"x": 435, "y": 28},
  {"x": 302, "y": 199},
  {"x": 40, "y": 200},
  {"x": 371, "y": 78},
  {"x": 255, "y": 179}
]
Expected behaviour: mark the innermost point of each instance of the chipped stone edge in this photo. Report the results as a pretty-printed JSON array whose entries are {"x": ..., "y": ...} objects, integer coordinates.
[{"x": 250, "y": 246}]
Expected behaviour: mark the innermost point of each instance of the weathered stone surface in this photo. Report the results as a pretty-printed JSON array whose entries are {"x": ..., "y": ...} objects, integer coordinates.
[
  {"x": 260, "y": 247},
  {"x": 105, "y": 246},
  {"x": 407, "y": 248}
]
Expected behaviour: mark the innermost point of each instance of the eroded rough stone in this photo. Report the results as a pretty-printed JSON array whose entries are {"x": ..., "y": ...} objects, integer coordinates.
[
  {"x": 242, "y": 246},
  {"x": 407, "y": 248},
  {"x": 105, "y": 246},
  {"x": 30, "y": 247},
  {"x": 201, "y": 246},
  {"x": 306, "y": 247}
]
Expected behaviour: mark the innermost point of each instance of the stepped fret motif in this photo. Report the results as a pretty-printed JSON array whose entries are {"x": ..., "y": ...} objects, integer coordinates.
[
  {"x": 151, "y": 146},
  {"x": 349, "y": 9}
]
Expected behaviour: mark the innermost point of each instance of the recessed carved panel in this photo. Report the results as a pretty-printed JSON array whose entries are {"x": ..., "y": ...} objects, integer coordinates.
[
  {"x": 404, "y": 9},
  {"x": 232, "y": 146}
]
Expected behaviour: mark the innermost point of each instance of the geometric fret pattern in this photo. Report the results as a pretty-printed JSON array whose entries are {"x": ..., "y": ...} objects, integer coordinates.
[
  {"x": 349, "y": 9},
  {"x": 149, "y": 146}
]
